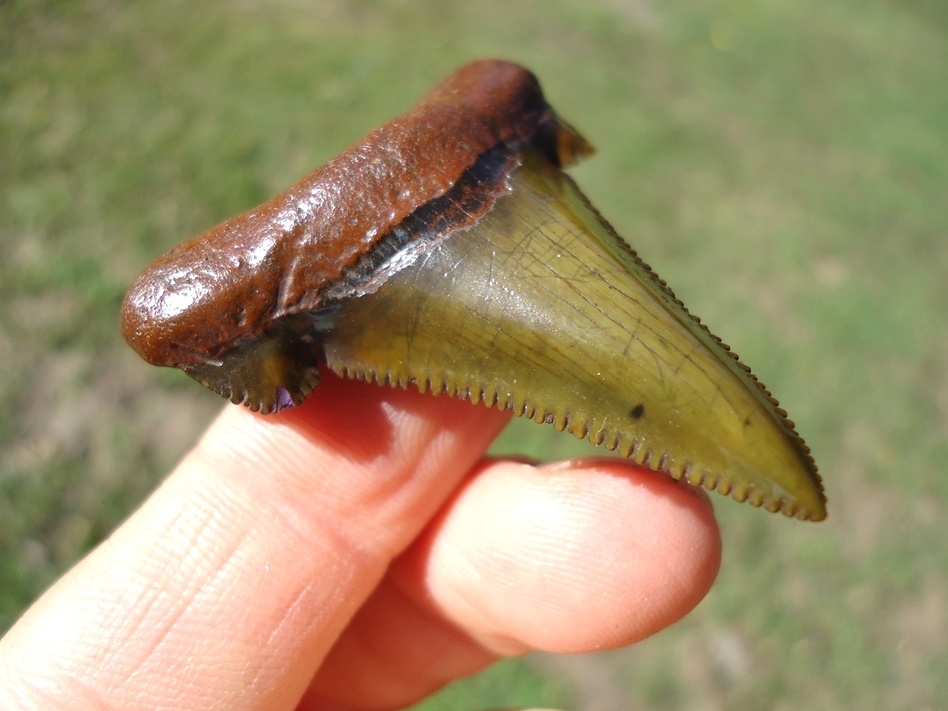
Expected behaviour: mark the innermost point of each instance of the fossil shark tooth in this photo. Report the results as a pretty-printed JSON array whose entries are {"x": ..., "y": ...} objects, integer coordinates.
[{"x": 449, "y": 250}]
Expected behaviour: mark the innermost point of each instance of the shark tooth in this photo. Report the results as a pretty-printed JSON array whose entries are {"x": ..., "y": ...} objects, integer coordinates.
[{"x": 448, "y": 250}]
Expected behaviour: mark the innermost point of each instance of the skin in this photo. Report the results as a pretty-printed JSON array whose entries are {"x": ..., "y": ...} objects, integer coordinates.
[{"x": 299, "y": 562}]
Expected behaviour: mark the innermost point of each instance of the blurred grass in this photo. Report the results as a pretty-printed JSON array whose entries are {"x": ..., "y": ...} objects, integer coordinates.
[{"x": 782, "y": 165}]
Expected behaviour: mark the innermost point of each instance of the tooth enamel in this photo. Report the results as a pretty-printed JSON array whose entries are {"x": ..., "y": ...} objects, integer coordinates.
[{"x": 537, "y": 334}]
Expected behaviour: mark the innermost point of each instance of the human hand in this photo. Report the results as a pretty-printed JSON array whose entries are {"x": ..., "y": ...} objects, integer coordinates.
[{"x": 357, "y": 552}]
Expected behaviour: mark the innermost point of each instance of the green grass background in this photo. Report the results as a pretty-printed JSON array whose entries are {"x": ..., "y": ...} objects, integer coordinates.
[{"x": 783, "y": 165}]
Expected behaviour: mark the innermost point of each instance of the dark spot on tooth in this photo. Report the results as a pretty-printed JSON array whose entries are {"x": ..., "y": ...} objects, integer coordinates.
[{"x": 637, "y": 411}]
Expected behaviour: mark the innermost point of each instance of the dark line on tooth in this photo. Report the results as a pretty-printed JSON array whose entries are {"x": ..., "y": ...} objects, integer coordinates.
[{"x": 463, "y": 205}]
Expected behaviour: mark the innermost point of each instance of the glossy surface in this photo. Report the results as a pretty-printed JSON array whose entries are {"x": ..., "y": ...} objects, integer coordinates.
[
  {"x": 202, "y": 305},
  {"x": 483, "y": 273}
]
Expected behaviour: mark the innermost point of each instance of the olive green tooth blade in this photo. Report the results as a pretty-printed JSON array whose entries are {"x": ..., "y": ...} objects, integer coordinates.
[{"x": 542, "y": 309}]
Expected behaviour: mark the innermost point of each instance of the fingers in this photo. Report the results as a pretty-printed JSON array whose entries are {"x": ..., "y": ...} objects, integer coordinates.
[
  {"x": 586, "y": 556},
  {"x": 235, "y": 579},
  {"x": 232, "y": 582}
]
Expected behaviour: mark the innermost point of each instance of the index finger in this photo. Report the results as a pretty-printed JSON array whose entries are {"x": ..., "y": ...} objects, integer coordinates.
[{"x": 231, "y": 583}]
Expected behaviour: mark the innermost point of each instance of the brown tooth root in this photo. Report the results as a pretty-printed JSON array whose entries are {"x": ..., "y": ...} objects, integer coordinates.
[
  {"x": 448, "y": 249},
  {"x": 206, "y": 299}
]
